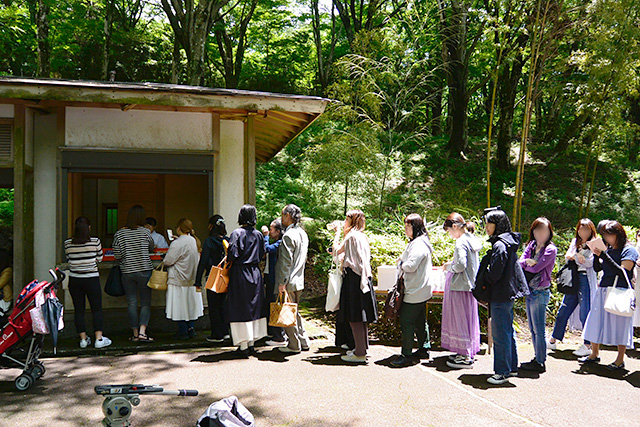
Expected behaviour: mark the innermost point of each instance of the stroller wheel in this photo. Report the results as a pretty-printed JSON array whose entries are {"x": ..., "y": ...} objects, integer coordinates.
[
  {"x": 24, "y": 381},
  {"x": 37, "y": 371}
]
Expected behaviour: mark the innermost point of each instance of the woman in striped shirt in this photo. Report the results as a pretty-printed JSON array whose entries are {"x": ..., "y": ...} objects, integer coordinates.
[
  {"x": 83, "y": 254},
  {"x": 132, "y": 246}
]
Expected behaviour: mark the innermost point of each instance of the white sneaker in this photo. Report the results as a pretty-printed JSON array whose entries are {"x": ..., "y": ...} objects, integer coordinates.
[
  {"x": 552, "y": 345},
  {"x": 352, "y": 358},
  {"x": 272, "y": 343},
  {"x": 345, "y": 347},
  {"x": 498, "y": 379},
  {"x": 84, "y": 343},
  {"x": 103, "y": 342},
  {"x": 582, "y": 351}
]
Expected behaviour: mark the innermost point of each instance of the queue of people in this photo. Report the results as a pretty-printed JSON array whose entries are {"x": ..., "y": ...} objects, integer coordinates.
[{"x": 241, "y": 314}]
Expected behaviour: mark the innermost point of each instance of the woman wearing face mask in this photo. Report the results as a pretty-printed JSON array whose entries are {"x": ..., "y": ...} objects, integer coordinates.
[
  {"x": 616, "y": 264},
  {"x": 537, "y": 261},
  {"x": 506, "y": 280},
  {"x": 460, "y": 322}
]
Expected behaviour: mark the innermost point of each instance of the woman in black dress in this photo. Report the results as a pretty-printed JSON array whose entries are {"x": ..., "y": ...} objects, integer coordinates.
[{"x": 246, "y": 306}]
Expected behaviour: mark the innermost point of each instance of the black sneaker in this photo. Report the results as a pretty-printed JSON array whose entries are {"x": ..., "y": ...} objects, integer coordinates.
[
  {"x": 213, "y": 339},
  {"x": 534, "y": 366},
  {"x": 401, "y": 361},
  {"x": 421, "y": 353},
  {"x": 460, "y": 362},
  {"x": 192, "y": 333}
]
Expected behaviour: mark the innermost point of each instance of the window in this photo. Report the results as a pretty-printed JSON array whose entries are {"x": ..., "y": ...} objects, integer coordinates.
[
  {"x": 6, "y": 137},
  {"x": 111, "y": 219}
]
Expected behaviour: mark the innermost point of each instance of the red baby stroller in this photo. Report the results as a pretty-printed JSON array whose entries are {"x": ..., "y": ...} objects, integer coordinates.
[{"x": 20, "y": 346}]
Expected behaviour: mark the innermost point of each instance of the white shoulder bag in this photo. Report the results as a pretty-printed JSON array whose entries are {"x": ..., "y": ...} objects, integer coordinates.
[{"x": 620, "y": 301}]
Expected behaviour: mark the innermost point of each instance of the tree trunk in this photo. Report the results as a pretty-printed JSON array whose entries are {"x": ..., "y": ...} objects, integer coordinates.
[
  {"x": 454, "y": 27},
  {"x": 191, "y": 23},
  {"x": 571, "y": 132},
  {"x": 175, "y": 62},
  {"x": 39, "y": 11},
  {"x": 507, "y": 90},
  {"x": 108, "y": 21},
  {"x": 195, "y": 67}
]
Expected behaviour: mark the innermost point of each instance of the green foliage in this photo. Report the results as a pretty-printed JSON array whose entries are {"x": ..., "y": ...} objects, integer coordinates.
[{"x": 6, "y": 207}]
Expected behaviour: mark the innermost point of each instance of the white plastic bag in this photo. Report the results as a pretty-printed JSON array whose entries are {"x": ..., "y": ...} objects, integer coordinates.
[
  {"x": 334, "y": 287},
  {"x": 228, "y": 412}
]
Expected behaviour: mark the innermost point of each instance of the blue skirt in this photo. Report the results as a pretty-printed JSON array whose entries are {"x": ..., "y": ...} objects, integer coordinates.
[{"x": 602, "y": 327}]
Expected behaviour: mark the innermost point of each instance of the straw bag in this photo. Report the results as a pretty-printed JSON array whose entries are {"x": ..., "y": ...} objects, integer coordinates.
[
  {"x": 283, "y": 312},
  {"x": 218, "y": 280},
  {"x": 158, "y": 279}
]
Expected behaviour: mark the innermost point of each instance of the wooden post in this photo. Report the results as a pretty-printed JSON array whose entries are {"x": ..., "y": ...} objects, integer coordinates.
[
  {"x": 249, "y": 161},
  {"x": 19, "y": 199},
  {"x": 60, "y": 215}
]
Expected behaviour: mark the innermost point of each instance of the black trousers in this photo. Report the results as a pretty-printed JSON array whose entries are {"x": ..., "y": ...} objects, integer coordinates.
[
  {"x": 274, "y": 331},
  {"x": 80, "y": 290},
  {"x": 217, "y": 315}
]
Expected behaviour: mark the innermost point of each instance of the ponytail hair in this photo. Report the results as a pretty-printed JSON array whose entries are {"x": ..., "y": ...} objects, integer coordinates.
[
  {"x": 456, "y": 219},
  {"x": 186, "y": 226}
]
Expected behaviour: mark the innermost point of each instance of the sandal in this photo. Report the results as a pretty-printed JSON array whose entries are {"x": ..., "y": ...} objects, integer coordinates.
[
  {"x": 132, "y": 338},
  {"x": 144, "y": 338}
]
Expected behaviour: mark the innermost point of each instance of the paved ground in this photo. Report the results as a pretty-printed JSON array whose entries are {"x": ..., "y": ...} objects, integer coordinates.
[{"x": 316, "y": 389}]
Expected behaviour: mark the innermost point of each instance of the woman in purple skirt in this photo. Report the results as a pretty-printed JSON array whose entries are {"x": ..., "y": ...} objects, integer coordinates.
[
  {"x": 460, "y": 322},
  {"x": 602, "y": 327}
]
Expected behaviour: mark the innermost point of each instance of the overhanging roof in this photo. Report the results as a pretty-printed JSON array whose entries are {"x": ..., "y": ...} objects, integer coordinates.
[{"x": 278, "y": 118}]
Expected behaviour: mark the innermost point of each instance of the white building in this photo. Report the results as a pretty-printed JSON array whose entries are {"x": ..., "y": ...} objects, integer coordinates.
[{"x": 72, "y": 148}]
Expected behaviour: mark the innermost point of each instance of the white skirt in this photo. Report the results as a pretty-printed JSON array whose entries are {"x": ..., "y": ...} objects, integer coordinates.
[
  {"x": 183, "y": 303},
  {"x": 248, "y": 331}
]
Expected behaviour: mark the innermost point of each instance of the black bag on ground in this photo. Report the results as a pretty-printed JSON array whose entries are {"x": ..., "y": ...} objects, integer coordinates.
[
  {"x": 393, "y": 303},
  {"x": 482, "y": 290},
  {"x": 114, "y": 285}
]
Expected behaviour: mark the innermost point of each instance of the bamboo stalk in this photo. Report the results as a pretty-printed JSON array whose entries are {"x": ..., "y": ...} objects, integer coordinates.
[{"x": 584, "y": 181}]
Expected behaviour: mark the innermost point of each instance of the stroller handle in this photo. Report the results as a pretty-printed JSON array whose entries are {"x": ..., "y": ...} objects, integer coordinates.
[{"x": 58, "y": 276}]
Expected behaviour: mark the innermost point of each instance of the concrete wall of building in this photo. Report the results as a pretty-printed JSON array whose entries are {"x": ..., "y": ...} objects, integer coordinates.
[{"x": 137, "y": 129}]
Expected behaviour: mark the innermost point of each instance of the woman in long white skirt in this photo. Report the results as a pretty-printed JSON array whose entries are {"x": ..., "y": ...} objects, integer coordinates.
[{"x": 184, "y": 303}]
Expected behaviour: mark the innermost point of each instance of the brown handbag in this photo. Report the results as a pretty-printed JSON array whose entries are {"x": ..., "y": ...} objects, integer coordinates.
[
  {"x": 218, "y": 280},
  {"x": 283, "y": 312},
  {"x": 393, "y": 303}
]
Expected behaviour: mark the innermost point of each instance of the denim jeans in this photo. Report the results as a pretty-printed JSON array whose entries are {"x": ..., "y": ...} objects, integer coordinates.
[
  {"x": 134, "y": 284},
  {"x": 185, "y": 325},
  {"x": 569, "y": 303},
  {"x": 505, "y": 351},
  {"x": 413, "y": 320},
  {"x": 537, "y": 302}
]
